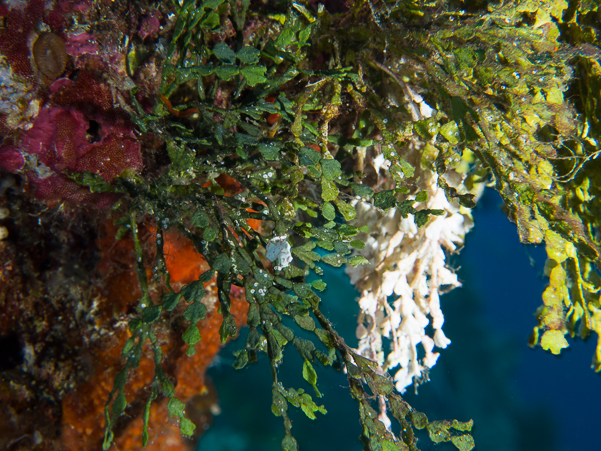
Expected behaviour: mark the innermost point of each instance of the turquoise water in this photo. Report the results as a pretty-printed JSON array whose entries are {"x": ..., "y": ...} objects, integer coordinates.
[
  {"x": 246, "y": 422},
  {"x": 520, "y": 399}
]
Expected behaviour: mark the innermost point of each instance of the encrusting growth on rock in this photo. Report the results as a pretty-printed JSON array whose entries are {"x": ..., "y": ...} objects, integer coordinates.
[{"x": 50, "y": 55}]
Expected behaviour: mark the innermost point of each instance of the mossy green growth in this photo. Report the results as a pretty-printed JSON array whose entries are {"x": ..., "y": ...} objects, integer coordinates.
[
  {"x": 288, "y": 110},
  {"x": 207, "y": 136}
]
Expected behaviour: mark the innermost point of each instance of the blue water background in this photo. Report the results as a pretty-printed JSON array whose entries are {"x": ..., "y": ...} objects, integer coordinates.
[{"x": 520, "y": 399}]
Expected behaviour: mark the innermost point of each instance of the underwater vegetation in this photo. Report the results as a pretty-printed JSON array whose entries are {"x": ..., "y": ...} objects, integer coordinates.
[{"x": 175, "y": 170}]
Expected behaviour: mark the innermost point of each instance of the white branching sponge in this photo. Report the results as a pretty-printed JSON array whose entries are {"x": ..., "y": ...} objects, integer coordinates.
[{"x": 400, "y": 288}]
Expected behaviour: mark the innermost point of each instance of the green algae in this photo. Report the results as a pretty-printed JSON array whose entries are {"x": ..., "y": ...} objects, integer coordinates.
[{"x": 500, "y": 80}]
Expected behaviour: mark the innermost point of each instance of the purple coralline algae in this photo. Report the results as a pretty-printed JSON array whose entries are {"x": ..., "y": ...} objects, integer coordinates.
[{"x": 63, "y": 96}]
